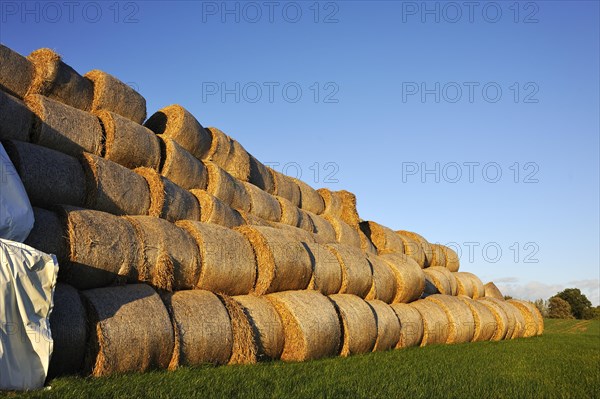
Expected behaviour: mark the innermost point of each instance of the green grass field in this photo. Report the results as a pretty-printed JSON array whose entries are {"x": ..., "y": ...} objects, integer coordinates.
[{"x": 563, "y": 363}]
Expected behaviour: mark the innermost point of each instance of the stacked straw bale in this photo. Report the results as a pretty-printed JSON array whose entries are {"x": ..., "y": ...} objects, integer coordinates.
[
  {"x": 411, "y": 325},
  {"x": 215, "y": 211},
  {"x": 436, "y": 329},
  {"x": 15, "y": 118},
  {"x": 410, "y": 279},
  {"x": 534, "y": 323},
  {"x": 491, "y": 291},
  {"x": 326, "y": 269},
  {"x": 359, "y": 325},
  {"x": 357, "y": 275},
  {"x": 180, "y": 166},
  {"x": 425, "y": 246},
  {"x": 16, "y": 73},
  {"x": 388, "y": 326},
  {"x": 485, "y": 322},
  {"x": 384, "y": 286},
  {"x": 460, "y": 317},
  {"x": 384, "y": 238}
]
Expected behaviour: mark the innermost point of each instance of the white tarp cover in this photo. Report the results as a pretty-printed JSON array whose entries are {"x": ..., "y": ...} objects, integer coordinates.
[
  {"x": 16, "y": 214},
  {"x": 27, "y": 281}
]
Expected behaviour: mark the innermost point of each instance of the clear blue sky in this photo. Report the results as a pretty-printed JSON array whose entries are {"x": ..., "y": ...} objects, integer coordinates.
[{"x": 375, "y": 59}]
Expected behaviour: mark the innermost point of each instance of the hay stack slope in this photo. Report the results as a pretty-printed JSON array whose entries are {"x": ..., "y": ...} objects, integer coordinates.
[
  {"x": 461, "y": 321},
  {"x": 410, "y": 279},
  {"x": 282, "y": 262},
  {"x": 49, "y": 177},
  {"x": 326, "y": 269},
  {"x": 227, "y": 261},
  {"x": 171, "y": 259},
  {"x": 388, "y": 326},
  {"x": 57, "y": 80},
  {"x": 178, "y": 124},
  {"x": 215, "y": 211},
  {"x": 436, "y": 327},
  {"x": 202, "y": 327},
  {"x": 310, "y": 324},
  {"x": 359, "y": 324},
  {"x": 97, "y": 259},
  {"x": 130, "y": 330},
  {"x": 411, "y": 325},
  {"x": 167, "y": 199},
  {"x": 384, "y": 286},
  {"x": 113, "y": 188},
  {"x": 181, "y": 167},
  {"x": 63, "y": 128},
  {"x": 69, "y": 332},
  {"x": 15, "y": 118},
  {"x": 16, "y": 72},
  {"x": 111, "y": 94},
  {"x": 427, "y": 250},
  {"x": 485, "y": 322},
  {"x": 357, "y": 275},
  {"x": 128, "y": 143},
  {"x": 266, "y": 325}
]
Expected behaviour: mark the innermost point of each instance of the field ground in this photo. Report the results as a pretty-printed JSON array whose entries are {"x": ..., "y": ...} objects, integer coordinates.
[{"x": 563, "y": 363}]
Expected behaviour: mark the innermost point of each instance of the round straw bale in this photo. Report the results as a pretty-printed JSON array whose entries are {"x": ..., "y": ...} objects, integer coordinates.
[
  {"x": 128, "y": 143},
  {"x": 460, "y": 317},
  {"x": 260, "y": 176},
  {"x": 452, "y": 261},
  {"x": 181, "y": 167},
  {"x": 16, "y": 72},
  {"x": 388, "y": 326},
  {"x": 286, "y": 187},
  {"x": 491, "y": 291},
  {"x": 519, "y": 321},
  {"x": 244, "y": 344},
  {"x": 478, "y": 288},
  {"x": 413, "y": 248},
  {"x": 131, "y": 330},
  {"x": 502, "y": 321},
  {"x": 411, "y": 325},
  {"x": 255, "y": 220},
  {"x": 202, "y": 326},
  {"x": 168, "y": 200},
  {"x": 344, "y": 234},
  {"x": 349, "y": 213},
  {"x": 47, "y": 235},
  {"x": 283, "y": 262},
  {"x": 294, "y": 216},
  {"x": 357, "y": 275},
  {"x": 427, "y": 250},
  {"x": 157, "y": 237},
  {"x": 439, "y": 256},
  {"x": 310, "y": 324},
  {"x": 443, "y": 280},
  {"x": 263, "y": 204},
  {"x": 359, "y": 325},
  {"x": 365, "y": 244},
  {"x": 510, "y": 316},
  {"x": 296, "y": 232},
  {"x": 531, "y": 317},
  {"x": 333, "y": 202},
  {"x": 15, "y": 118},
  {"x": 464, "y": 284},
  {"x": 69, "y": 332},
  {"x": 178, "y": 124},
  {"x": 63, "y": 128},
  {"x": 227, "y": 188},
  {"x": 227, "y": 260},
  {"x": 220, "y": 147},
  {"x": 436, "y": 327},
  {"x": 410, "y": 279},
  {"x": 57, "y": 80},
  {"x": 384, "y": 280},
  {"x": 327, "y": 272},
  {"x": 96, "y": 258},
  {"x": 113, "y": 188},
  {"x": 485, "y": 322},
  {"x": 111, "y": 94},
  {"x": 322, "y": 228},
  {"x": 238, "y": 162},
  {"x": 49, "y": 177},
  {"x": 266, "y": 325},
  {"x": 384, "y": 238},
  {"x": 215, "y": 211},
  {"x": 310, "y": 199}
]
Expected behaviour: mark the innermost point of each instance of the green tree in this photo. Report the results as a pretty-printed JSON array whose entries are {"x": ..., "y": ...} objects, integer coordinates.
[
  {"x": 592, "y": 313},
  {"x": 558, "y": 308},
  {"x": 578, "y": 301},
  {"x": 542, "y": 306}
]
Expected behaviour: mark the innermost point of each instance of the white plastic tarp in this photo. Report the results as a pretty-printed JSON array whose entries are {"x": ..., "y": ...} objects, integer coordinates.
[
  {"x": 16, "y": 214},
  {"x": 27, "y": 281}
]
